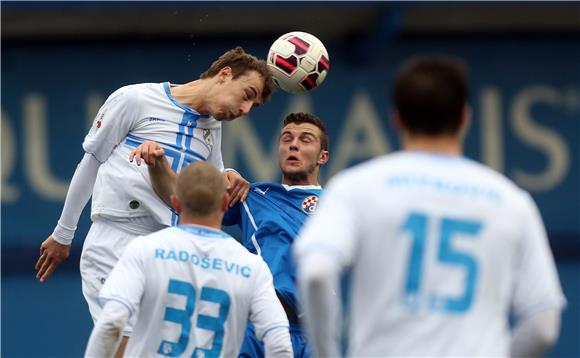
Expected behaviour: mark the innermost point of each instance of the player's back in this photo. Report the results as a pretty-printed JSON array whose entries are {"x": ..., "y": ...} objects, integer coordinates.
[
  {"x": 435, "y": 265},
  {"x": 199, "y": 285}
]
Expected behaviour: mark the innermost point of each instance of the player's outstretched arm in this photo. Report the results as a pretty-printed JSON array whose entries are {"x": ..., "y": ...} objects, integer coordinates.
[
  {"x": 236, "y": 185},
  {"x": 56, "y": 247},
  {"x": 163, "y": 179}
]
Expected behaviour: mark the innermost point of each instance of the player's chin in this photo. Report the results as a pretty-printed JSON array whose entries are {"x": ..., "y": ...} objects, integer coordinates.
[
  {"x": 293, "y": 170},
  {"x": 225, "y": 118}
]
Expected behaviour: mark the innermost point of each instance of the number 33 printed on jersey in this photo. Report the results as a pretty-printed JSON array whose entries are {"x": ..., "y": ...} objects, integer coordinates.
[{"x": 183, "y": 317}]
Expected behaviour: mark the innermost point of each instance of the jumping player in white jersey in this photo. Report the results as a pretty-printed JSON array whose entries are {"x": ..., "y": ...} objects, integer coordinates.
[
  {"x": 186, "y": 120},
  {"x": 192, "y": 286},
  {"x": 437, "y": 249}
]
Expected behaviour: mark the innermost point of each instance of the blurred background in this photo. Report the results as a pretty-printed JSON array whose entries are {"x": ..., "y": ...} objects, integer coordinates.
[{"x": 60, "y": 60}]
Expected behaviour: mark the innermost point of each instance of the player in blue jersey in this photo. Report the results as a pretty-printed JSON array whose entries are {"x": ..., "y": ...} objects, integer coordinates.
[
  {"x": 272, "y": 213},
  {"x": 186, "y": 120}
]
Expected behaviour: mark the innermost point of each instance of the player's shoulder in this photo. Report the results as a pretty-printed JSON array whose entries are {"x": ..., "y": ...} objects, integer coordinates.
[
  {"x": 485, "y": 175},
  {"x": 135, "y": 92},
  {"x": 359, "y": 173}
]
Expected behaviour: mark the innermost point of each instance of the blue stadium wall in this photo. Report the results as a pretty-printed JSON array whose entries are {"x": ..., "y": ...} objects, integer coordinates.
[{"x": 525, "y": 94}]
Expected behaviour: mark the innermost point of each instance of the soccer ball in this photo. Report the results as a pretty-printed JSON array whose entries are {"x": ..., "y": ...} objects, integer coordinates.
[{"x": 298, "y": 62}]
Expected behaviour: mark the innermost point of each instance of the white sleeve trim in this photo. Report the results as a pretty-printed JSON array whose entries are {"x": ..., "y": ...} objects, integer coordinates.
[
  {"x": 271, "y": 327},
  {"x": 278, "y": 343},
  {"x": 231, "y": 170},
  {"x": 103, "y": 301}
]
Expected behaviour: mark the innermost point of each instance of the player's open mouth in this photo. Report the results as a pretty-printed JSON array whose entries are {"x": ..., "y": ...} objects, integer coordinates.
[{"x": 292, "y": 159}]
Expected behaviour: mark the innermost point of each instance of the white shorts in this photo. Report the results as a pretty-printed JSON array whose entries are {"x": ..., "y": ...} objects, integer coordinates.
[{"x": 102, "y": 248}]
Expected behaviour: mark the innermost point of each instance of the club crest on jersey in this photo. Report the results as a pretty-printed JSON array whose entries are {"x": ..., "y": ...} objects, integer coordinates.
[
  {"x": 207, "y": 137},
  {"x": 309, "y": 204}
]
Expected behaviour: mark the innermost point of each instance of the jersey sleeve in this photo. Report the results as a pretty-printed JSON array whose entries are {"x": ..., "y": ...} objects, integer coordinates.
[
  {"x": 215, "y": 155},
  {"x": 266, "y": 312},
  {"x": 232, "y": 216},
  {"x": 112, "y": 124},
  {"x": 126, "y": 283},
  {"x": 333, "y": 229},
  {"x": 537, "y": 286}
]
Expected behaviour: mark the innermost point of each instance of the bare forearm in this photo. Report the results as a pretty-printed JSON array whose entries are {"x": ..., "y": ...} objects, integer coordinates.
[{"x": 163, "y": 179}]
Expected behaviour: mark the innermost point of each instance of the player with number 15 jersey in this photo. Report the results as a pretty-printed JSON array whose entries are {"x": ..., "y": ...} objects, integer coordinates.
[{"x": 437, "y": 249}]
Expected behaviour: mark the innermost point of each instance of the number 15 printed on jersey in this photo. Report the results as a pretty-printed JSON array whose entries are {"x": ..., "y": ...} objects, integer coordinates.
[{"x": 417, "y": 225}]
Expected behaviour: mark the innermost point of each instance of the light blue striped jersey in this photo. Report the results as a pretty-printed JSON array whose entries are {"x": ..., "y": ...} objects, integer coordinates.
[{"x": 131, "y": 115}]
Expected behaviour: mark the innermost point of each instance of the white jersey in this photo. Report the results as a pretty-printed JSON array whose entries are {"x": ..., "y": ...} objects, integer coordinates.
[
  {"x": 131, "y": 115},
  {"x": 438, "y": 249},
  {"x": 195, "y": 288}
]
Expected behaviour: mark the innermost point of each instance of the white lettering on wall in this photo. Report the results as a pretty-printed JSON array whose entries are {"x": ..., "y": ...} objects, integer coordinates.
[
  {"x": 491, "y": 128},
  {"x": 362, "y": 135},
  {"x": 93, "y": 103},
  {"x": 10, "y": 192},
  {"x": 36, "y": 151},
  {"x": 549, "y": 142}
]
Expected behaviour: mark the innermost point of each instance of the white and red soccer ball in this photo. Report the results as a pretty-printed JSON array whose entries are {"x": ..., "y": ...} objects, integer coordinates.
[{"x": 298, "y": 62}]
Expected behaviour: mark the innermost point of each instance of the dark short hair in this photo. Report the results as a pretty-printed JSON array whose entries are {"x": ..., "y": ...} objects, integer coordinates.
[
  {"x": 300, "y": 117},
  {"x": 241, "y": 62},
  {"x": 430, "y": 94},
  {"x": 200, "y": 187}
]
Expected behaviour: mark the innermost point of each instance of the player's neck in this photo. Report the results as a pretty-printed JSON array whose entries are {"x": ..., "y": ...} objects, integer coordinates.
[
  {"x": 212, "y": 221},
  {"x": 191, "y": 95},
  {"x": 309, "y": 180},
  {"x": 447, "y": 144}
]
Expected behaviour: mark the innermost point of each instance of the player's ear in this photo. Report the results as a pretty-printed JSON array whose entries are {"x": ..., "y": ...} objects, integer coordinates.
[
  {"x": 225, "y": 202},
  {"x": 465, "y": 121},
  {"x": 224, "y": 74},
  {"x": 175, "y": 204},
  {"x": 396, "y": 118},
  {"x": 323, "y": 157}
]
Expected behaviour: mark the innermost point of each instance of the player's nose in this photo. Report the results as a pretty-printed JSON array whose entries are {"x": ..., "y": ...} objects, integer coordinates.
[{"x": 246, "y": 107}]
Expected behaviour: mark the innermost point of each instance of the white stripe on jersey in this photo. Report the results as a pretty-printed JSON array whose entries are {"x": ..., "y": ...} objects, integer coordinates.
[{"x": 251, "y": 217}]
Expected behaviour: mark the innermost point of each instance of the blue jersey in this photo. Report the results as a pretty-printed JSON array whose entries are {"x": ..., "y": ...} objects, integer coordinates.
[{"x": 270, "y": 219}]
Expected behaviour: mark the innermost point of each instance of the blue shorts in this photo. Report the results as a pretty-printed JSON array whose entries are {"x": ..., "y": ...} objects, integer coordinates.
[{"x": 253, "y": 348}]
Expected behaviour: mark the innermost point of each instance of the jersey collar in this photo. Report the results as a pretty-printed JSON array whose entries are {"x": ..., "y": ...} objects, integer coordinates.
[
  {"x": 204, "y": 231},
  {"x": 166, "y": 86}
]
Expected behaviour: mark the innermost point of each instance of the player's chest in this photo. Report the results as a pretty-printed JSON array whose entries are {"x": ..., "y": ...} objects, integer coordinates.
[{"x": 181, "y": 133}]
